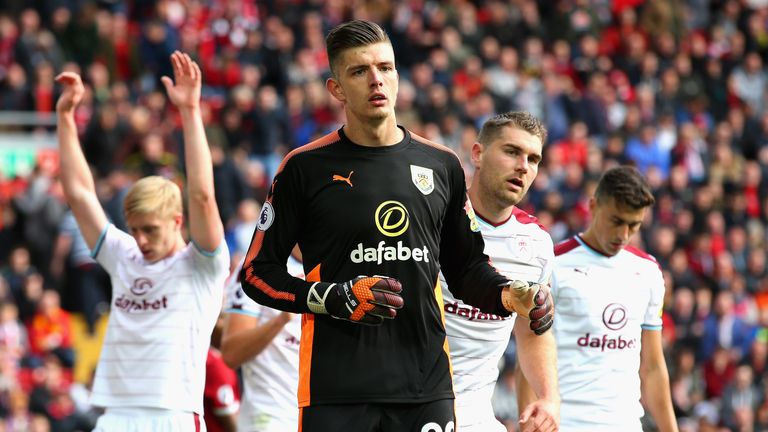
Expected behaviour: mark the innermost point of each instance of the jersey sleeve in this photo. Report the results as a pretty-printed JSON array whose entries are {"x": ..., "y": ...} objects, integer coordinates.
[
  {"x": 466, "y": 267},
  {"x": 547, "y": 257},
  {"x": 112, "y": 246},
  {"x": 237, "y": 302},
  {"x": 264, "y": 275},
  {"x": 652, "y": 319},
  {"x": 214, "y": 262}
]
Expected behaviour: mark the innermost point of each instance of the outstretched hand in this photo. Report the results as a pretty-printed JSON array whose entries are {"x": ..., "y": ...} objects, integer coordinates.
[
  {"x": 72, "y": 94},
  {"x": 185, "y": 93},
  {"x": 540, "y": 416}
]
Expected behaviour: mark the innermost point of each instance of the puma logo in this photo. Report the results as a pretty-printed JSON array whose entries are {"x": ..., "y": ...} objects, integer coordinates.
[{"x": 346, "y": 179}]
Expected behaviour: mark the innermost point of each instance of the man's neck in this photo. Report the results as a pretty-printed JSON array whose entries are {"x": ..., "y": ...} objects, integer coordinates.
[
  {"x": 373, "y": 134},
  {"x": 485, "y": 206}
]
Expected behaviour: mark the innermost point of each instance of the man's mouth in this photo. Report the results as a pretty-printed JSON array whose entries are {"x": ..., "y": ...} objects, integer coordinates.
[{"x": 377, "y": 97}]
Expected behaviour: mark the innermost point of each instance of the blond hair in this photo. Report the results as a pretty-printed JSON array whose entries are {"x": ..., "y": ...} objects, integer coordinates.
[{"x": 153, "y": 194}]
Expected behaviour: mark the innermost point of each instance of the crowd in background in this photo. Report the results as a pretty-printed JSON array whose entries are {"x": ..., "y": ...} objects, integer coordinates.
[{"x": 676, "y": 87}]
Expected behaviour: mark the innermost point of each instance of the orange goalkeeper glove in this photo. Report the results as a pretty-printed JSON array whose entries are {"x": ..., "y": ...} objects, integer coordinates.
[{"x": 364, "y": 299}]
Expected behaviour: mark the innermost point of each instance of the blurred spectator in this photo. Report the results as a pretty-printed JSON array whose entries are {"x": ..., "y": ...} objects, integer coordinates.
[
  {"x": 50, "y": 331},
  {"x": 719, "y": 369},
  {"x": 50, "y": 397},
  {"x": 243, "y": 226},
  {"x": 41, "y": 207},
  {"x": 13, "y": 335},
  {"x": 646, "y": 153},
  {"x": 15, "y": 273},
  {"x": 740, "y": 399},
  {"x": 86, "y": 284},
  {"x": 687, "y": 383},
  {"x": 228, "y": 181},
  {"x": 31, "y": 293},
  {"x": 19, "y": 417},
  {"x": 724, "y": 330}
]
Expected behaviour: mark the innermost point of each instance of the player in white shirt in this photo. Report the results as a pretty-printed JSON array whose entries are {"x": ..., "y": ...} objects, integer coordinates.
[
  {"x": 151, "y": 371},
  {"x": 608, "y": 317},
  {"x": 506, "y": 158},
  {"x": 265, "y": 343}
]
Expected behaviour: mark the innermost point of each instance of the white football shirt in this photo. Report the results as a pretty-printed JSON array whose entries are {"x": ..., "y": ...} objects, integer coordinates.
[
  {"x": 602, "y": 304},
  {"x": 270, "y": 379},
  {"x": 159, "y": 326},
  {"x": 520, "y": 250}
]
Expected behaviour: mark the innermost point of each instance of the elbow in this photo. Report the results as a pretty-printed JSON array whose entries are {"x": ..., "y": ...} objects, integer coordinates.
[
  {"x": 229, "y": 356},
  {"x": 202, "y": 197}
]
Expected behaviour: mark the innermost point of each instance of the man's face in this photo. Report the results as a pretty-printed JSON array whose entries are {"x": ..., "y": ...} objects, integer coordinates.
[
  {"x": 366, "y": 81},
  {"x": 613, "y": 225},
  {"x": 507, "y": 166},
  {"x": 156, "y": 236}
]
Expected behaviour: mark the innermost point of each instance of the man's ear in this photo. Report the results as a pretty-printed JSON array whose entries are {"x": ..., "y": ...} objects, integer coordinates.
[
  {"x": 178, "y": 220},
  {"x": 477, "y": 154},
  {"x": 335, "y": 89}
]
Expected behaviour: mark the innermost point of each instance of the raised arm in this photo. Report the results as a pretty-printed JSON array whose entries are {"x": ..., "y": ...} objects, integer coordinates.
[
  {"x": 205, "y": 226},
  {"x": 76, "y": 178}
]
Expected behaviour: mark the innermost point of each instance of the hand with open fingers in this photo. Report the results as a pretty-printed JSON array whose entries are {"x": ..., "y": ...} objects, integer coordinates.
[
  {"x": 540, "y": 416},
  {"x": 364, "y": 299},
  {"x": 73, "y": 91},
  {"x": 531, "y": 300},
  {"x": 184, "y": 90}
]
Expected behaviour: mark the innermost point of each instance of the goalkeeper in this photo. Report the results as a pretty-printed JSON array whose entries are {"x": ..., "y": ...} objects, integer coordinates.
[{"x": 373, "y": 199}]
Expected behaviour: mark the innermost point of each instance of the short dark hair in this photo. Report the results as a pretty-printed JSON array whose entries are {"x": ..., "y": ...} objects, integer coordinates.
[
  {"x": 626, "y": 186},
  {"x": 352, "y": 34},
  {"x": 519, "y": 119}
]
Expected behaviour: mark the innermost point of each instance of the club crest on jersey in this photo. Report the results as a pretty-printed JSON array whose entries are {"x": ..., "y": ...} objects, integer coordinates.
[
  {"x": 141, "y": 286},
  {"x": 423, "y": 179},
  {"x": 615, "y": 316},
  {"x": 266, "y": 217},
  {"x": 473, "y": 225}
]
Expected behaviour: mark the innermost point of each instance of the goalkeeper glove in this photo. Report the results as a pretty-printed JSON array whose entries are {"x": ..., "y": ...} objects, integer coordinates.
[
  {"x": 530, "y": 300},
  {"x": 364, "y": 299}
]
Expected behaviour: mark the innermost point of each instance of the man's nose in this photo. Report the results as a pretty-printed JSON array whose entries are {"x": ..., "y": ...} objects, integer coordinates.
[{"x": 376, "y": 80}]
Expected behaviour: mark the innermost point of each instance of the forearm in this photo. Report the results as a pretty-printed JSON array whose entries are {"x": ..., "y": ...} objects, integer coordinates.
[
  {"x": 525, "y": 393},
  {"x": 479, "y": 285},
  {"x": 271, "y": 285},
  {"x": 537, "y": 357},
  {"x": 241, "y": 346},
  {"x": 204, "y": 220},
  {"x": 197, "y": 155},
  {"x": 657, "y": 398},
  {"x": 76, "y": 176}
]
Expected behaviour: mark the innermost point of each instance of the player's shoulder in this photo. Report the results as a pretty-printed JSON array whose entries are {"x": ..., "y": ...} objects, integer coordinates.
[
  {"x": 434, "y": 149},
  {"x": 321, "y": 144},
  {"x": 642, "y": 256},
  {"x": 567, "y": 246},
  {"x": 529, "y": 222}
]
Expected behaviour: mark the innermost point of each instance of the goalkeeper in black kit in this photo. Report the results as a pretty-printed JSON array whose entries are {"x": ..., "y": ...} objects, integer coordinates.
[{"x": 374, "y": 199}]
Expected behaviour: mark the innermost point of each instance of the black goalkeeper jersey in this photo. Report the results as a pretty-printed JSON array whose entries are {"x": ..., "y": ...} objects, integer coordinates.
[{"x": 399, "y": 211}]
